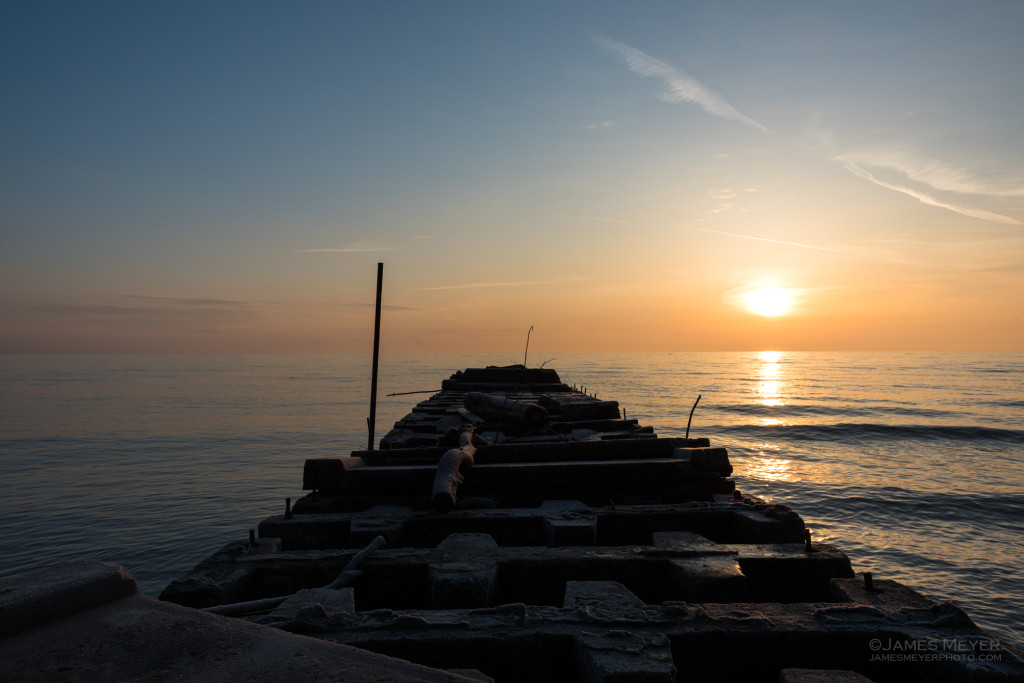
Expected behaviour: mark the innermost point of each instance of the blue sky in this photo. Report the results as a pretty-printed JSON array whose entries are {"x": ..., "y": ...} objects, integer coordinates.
[{"x": 224, "y": 176}]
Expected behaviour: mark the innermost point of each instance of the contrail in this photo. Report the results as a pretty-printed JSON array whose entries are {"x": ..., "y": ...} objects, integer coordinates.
[
  {"x": 679, "y": 86},
  {"x": 347, "y": 250},
  {"x": 928, "y": 199},
  {"x": 766, "y": 239},
  {"x": 475, "y": 285},
  {"x": 603, "y": 220},
  {"x": 936, "y": 174},
  {"x": 810, "y": 246}
]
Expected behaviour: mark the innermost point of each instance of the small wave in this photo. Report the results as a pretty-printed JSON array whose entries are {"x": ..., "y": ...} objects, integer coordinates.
[
  {"x": 822, "y": 409},
  {"x": 1005, "y": 404},
  {"x": 789, "y": 409},
  {"x": 880, "y": 432}
]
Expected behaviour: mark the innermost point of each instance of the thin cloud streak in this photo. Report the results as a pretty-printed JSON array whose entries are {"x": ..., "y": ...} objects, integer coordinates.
[
  {"x": 765, "y": 239},
  {"x": 928, "y": 199},
  {"x": 345, "y": 250},
  {"x": 678, "y": 86},
  {"x": 478, "y": 285},
  {"x": 681, "y": 87},
  {"x": 372, "y": 304},
  {"x": 602, "y": 220},
  {"x": 140, "y": 312},
  {"x": 931, "y": 172},
  {"x": 815, "y": 247},
  {"x": 187, "y": 301}
]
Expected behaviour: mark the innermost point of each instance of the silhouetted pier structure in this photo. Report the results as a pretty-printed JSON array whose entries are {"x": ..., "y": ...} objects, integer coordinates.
[{"x": 517, "y": 528}]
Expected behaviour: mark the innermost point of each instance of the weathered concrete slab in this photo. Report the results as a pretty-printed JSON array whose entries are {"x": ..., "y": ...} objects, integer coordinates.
[
  {"x": 625, "y": 657},
  {"x": 379, "y": 520},
  {"x": 28, "y": 600},
  {"x": 733, "y": 641},
  {"x": 607, "y": 599},
  {"x": 465, "y": 575},
  {"x": 130, "y": 637},
  {"x": 569, "y": 522},
  {"x": 713, "y": 578},
  {"x": 821, "y": 676},
  {"x": 706, "y": 459},
  {"x": 688, "y": 544},
  {"x": 402, "y": 577},
  {"x": 317, "y": 602},
  {"x": 613, "y": 525},
  {"x": 534, "y": 549}
]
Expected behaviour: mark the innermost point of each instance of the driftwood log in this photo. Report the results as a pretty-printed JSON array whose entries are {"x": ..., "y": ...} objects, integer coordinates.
[
  {"x": 506, "y": 410},
  {"x": 448, "y": 477}
]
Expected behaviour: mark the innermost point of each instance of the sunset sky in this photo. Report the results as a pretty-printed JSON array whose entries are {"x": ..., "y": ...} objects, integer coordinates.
[{"x": 623, "y": 176}]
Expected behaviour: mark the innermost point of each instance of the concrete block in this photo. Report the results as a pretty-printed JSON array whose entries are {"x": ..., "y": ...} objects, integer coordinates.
[
  {"x": 379, "y": 520},
  {"x": 753, "y": 526},
  {"x": 624, "y": 657},
  {"x": 266, "y": 546},
  {"x": 821, "y": 676},
  {"x": 471, "y": 674},
  {"x": 605, "y": 598},
  {"x": 568, "y": 522},
  {"x": 30, "y": 600},
  {"x": 706, "y": 459},
  {"x": 456, "y": 585},
  {"x": 688, "y": 544},
  {"x": 715, "y": 578},
  {"x": 467, "y": 574},
  {"x": 329, "y": 600}
]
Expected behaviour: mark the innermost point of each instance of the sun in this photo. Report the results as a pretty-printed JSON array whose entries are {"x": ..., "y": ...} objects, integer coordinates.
[{"x": 769, "y": 301}]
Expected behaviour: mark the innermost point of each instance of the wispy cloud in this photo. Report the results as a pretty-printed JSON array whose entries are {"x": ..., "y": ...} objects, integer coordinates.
[
  {"x": 925, "y": 198},
  {"x": 188, "y": 301},
  {"x": 765, "y": 239},
  {"x": 150, "y": 306},
  {"x": 595, "y": 218},
  {"x": 480, "y": 285},
  {"x": 372, "y": 304},
  {"x": 345, "y": 250},
  {"x": 934, "y": 173},
  {"x": 678, "y": 85},
  {"x": 802, "y": 245},
  {"x": 595, "y": 125}
]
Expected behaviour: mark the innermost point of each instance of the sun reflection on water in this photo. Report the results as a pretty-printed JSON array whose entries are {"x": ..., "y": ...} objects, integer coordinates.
[
  {"x": 767, "y": 466},
  {"x": 770, "y": 391},
  {"x": 771, "y": 382}
]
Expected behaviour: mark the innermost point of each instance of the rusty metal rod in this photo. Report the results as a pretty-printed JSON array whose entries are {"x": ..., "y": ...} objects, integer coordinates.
[{"x": 371, "y": 421}]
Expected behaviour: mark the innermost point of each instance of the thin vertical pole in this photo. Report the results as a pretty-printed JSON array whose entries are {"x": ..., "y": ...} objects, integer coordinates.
[{"x": 371, "y": 421}]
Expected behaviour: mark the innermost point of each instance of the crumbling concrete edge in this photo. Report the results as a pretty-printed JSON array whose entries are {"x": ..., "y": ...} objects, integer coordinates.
[{"x": 31, "y": 600}]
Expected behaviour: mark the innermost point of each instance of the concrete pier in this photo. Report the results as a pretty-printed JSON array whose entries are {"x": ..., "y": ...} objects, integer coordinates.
[{"x": 86, "y": 621}]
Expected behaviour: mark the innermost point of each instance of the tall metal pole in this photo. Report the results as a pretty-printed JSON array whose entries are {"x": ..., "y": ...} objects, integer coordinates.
[{"x": 371, "y": 421}]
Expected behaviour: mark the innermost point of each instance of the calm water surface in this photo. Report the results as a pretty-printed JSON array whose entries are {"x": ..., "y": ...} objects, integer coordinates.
[{"x": 911, "y": 463}]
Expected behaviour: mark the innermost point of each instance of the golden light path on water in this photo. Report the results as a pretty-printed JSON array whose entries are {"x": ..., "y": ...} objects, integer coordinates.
[{"x": 770, "y": 392}]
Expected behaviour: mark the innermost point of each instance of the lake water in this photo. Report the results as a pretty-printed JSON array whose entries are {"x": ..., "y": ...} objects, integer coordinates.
[{"x": 911, "y": 463}]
